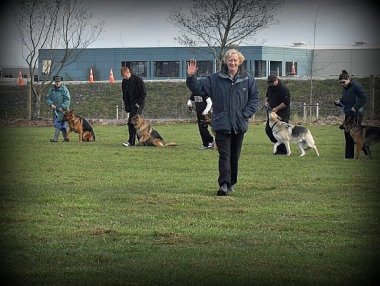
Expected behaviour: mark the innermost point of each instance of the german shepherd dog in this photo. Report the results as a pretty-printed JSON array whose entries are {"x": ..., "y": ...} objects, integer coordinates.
[
  {"x": 79, "y": 125},
  {"x": 363, "y": 136},
  {"x": 286, "y": 133},
  {"x": 148, "y": 136}
]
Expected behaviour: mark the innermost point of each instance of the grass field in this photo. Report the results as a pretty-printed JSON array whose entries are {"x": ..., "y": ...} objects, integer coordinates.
[{"x": 103, "y": 214}]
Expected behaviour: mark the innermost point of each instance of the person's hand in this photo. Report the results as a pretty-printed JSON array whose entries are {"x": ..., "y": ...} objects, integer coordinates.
[
  {"x": 266, "y": 104},
  {"x": 192, "y": 67},
  {"x": 53, "y": 106},
  {"x": 337, "y": 101}
]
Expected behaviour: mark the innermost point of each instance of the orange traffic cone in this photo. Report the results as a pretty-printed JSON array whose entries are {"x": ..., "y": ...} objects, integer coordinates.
[
  {"x": 91, "y": 76},
  {"x": 112, "y": 79},
  {"x": 20, "y": 80},
  {"x": 293, "y": 71}
]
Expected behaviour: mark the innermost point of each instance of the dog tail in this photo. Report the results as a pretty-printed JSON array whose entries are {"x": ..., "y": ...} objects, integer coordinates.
[{"x": 171, "y": 144}]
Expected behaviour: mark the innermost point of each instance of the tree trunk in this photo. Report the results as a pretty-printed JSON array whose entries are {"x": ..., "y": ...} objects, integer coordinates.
[{"x": 36, "y": 106}]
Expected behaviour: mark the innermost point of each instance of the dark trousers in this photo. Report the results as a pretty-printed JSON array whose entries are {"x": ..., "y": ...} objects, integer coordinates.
[
  {"x": 131, "y": 128},
  {"x": 229, "y": 148},
  {"x": 204, "y": 132},
  {"x": 350, "y": 144},
  {"x": 281, "y": 149}
]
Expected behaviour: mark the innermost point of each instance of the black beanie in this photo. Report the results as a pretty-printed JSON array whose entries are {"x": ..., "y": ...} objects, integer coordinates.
[{"x": 344, "y": 75}]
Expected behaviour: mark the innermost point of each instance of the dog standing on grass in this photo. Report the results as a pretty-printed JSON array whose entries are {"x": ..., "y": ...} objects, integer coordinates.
[
  {"x": 363, "y": 136},
  {"x": 147, "y": 135},
  {"x": 79, "y": 125},
  {"x": 286, "y": 133}
]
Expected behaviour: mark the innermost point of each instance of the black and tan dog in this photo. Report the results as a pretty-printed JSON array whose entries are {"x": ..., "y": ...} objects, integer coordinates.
[
  {"x": 148, "y": 136},
  {"x": 363, "y": 136},
  {"x": 79, "y": 125}
]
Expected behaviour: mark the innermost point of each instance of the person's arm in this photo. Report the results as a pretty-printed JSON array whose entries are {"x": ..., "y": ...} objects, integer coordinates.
[
  {"x": 49, "y": 100},
  {"x": 208, "y": 106},
  {"x": 253, "y": 99},
  {"x": 285, "y": 97},
  {"x": 361, "y": 98},
  {"x": 66, "y": 99}
]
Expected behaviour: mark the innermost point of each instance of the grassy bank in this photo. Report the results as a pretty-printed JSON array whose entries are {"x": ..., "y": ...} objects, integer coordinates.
[{"x": 167, "y": 99}]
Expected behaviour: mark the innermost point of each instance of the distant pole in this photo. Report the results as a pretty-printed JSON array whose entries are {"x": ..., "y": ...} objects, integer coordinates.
[{"x": 29, "y": 100}]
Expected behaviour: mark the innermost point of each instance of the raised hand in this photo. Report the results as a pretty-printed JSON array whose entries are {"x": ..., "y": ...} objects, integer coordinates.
[{"x": 192, "y": 67}]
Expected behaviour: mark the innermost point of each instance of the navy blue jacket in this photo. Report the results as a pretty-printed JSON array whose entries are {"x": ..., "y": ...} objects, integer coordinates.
[
  {"x": 353, "y": 95},
  {"x": 234, "y": 101}
]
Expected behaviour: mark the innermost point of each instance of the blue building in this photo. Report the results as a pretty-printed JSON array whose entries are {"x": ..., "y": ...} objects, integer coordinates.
[{"x": 171, "y": 62}]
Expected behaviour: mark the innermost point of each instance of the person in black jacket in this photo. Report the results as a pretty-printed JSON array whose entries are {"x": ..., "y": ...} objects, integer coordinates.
[
  {"x": 134, "y": 93},
  {"x": 277, "y": 100},
  {"x": 235, "y": 99},
  {"x": 203, "y": 106},
  {"x": 353, "y": 100}
]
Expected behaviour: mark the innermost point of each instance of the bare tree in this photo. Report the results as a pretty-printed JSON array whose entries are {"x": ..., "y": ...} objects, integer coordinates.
[
  {"x": 66, "y": 25},
  {"x": 221, "y": 24}
]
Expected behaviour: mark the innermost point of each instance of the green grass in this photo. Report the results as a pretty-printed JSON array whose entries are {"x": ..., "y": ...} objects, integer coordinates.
[{"x": 102, "y": 214}]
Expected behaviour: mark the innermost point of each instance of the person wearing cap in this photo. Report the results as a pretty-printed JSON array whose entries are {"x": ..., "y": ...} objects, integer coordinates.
[
  {"x": 352, "y": 101},
  {"x": 134, "y": 93},
  {"x": 203, "y": 105},
  {"x": 277, "y": 99},
  {"x": 58, "y": 99}
]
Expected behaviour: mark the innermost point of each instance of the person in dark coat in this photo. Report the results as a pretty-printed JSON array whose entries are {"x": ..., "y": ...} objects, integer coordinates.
[
  {"x": 235, "y": 99},
  {"x": 203, "y": 104},
  {"x": 134, "y": 93},
  {"x": 353, "y": 101},
  {"x": 277, "y": 100}
]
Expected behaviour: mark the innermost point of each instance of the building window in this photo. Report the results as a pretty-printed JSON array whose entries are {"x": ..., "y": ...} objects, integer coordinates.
[
  {"x": 275, "y": 68},
  {"x": 138, "y": 68},
  {"x": 166, "y": 69},
  {"x": 46, "y": 66},
  {"x": 260, "y": 68},
  {"x": 291, "y": 68}
]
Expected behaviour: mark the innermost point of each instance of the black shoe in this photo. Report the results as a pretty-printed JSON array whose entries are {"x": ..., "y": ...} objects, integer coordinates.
[
  {"x": 222, "y": 190},
  {"x": 54, "y": 140},
  {"x": 66, "y": 139}
]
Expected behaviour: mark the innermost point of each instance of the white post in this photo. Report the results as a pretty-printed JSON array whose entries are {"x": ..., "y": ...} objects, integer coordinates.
[
  {"x": 317, "y": 110},
  {"x": 117, "y": 112},
  {"x": 304, "y": 111}
]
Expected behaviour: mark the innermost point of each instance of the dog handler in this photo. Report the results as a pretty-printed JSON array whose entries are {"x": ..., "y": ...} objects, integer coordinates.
[
  {"x": 203, "y": 106},
  {"x": 353, "y": 100},
  {"x": 278, "y": 100},
  {"x": 134, "y": 93},
  {"x": 58, "y": 99},
  {"x": 235, "y": 99}
]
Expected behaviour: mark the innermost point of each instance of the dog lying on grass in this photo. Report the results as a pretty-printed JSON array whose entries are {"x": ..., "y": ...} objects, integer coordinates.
[
  {"x": 286, "y": 133},
  {"x": 363, "y": 136},
  {"x": 79, "y": 125},
  {"x": 148, "y": 136}
]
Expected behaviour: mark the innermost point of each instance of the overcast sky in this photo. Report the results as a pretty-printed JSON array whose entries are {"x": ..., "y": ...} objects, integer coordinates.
[{"x": 143, "y": 23}]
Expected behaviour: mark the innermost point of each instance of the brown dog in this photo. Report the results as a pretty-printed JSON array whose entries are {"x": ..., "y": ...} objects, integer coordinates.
[
  {"x": 363, "y": 136},
  {"x": 148, "y": 136},
  {"x": 79, "y": 125}
]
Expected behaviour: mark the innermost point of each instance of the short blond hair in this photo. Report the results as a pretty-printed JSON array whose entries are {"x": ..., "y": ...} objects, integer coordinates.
[{"x": 230, "y": 52}]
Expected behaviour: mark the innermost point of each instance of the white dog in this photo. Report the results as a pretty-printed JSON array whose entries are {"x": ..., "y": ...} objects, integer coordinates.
[{"x": 285, "y": 133}]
